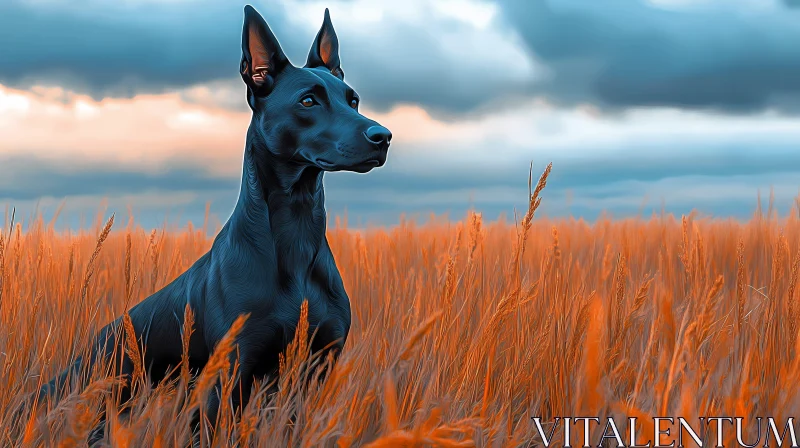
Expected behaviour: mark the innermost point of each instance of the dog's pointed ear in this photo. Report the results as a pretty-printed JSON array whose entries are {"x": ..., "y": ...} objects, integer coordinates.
[
  {"x": 325, "y": 49},
  {"x": 262, "y": 56}
]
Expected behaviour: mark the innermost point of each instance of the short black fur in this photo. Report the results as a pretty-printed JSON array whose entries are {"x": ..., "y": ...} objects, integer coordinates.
[{"x": 273, "y": 252}]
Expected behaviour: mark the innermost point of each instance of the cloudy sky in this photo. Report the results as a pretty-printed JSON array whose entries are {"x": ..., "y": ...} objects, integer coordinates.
[{"x": 640, "y": 104}]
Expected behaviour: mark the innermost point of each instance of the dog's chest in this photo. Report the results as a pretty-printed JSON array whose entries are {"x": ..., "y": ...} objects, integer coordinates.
[{"x": 299, "y": 288}]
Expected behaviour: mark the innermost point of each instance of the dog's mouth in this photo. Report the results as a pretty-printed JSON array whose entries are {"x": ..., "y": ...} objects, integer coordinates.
[
  {"x": 370, "y": 163},
  {"x": 362, "y": 166}
]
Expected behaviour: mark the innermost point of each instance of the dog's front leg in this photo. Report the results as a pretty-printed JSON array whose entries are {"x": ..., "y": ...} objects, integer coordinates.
[
  {"x": 328, "y": 340},
  {"x": 245, "y": 361},
  {"x": 256, "y": 353}
]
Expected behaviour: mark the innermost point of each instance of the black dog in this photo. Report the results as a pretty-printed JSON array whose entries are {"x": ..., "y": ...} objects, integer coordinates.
[{"x": 273, "y": 252}]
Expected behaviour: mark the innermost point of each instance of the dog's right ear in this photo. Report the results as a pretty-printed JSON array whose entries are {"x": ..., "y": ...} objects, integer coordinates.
[{"x": 262, "y": 57}]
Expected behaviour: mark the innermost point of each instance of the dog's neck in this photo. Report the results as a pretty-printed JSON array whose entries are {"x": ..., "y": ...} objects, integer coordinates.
[{"x": 281, "y": 209}]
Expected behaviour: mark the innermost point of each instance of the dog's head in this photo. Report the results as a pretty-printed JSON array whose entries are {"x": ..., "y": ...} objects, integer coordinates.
[{"x": 307, "y": 115}]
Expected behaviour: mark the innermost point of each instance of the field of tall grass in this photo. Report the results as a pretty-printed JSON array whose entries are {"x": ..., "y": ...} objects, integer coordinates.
[{"x": 462, "y": 331}]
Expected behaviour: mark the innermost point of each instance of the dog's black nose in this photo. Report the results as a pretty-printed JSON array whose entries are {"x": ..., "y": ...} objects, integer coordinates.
[{"x": 379, "y": 135}]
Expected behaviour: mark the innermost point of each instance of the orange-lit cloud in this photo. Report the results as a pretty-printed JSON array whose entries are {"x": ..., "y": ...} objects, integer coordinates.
[
  {"x": 151, "y": 131},
  {"x": 146, "y": 131}
]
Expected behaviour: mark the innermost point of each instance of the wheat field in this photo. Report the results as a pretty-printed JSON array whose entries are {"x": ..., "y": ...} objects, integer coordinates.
[{"x": 462, "y": 331}]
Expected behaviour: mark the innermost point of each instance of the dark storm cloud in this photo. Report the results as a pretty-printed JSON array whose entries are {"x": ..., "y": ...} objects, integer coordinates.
[
  {"x": 122, "y": 51},
  {"x": 621, "y": 53},
  {"x": 26, "y": 178},
  {"x": 617, "y": 54}
]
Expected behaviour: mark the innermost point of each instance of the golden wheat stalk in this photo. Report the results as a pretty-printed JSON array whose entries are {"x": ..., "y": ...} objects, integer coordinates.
[
  {"x": 2, "y": 267},
  {"x": 90, "y": 267},
  {"x": 132, "y": 348},
  {"x": 186, "y": 335},
  {"x": 128, "y": 266},
  {"x": 218, "y": 363},
  {"x": 533, "y": 203},
  {"x": 411, "y": 344}
]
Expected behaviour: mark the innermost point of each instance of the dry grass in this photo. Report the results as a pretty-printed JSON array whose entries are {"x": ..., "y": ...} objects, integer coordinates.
[{"x": 461, "y": 331}]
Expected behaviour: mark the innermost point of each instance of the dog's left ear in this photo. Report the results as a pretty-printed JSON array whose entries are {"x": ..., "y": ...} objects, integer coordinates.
[
  {"x": 325, "y": 50},
  {"x": 262, "y": 56}
]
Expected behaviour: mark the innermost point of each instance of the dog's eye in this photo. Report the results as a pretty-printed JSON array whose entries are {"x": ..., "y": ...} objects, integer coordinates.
[
  {"x": 354, "y": 103},
  {"x": 307, "y": 101}
]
